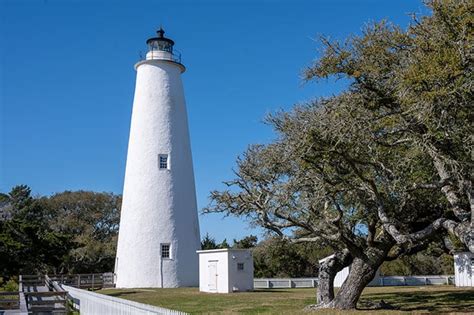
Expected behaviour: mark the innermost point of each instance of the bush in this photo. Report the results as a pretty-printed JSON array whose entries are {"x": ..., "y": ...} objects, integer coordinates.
[{"x": 10, "y": 286}]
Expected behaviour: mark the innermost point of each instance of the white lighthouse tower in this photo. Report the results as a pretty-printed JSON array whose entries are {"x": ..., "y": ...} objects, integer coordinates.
[{"x": 159, "y": 229}]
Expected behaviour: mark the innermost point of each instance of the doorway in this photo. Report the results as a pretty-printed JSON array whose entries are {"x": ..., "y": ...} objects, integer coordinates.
[{"x": 212, "y": 268}]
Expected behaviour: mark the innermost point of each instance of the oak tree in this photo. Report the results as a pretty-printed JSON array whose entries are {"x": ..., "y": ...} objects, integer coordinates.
[{"x": 381, "y": 169}]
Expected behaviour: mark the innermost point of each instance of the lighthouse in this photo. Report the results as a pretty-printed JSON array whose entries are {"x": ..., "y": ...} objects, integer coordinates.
[{"x": 159, "y": 228}]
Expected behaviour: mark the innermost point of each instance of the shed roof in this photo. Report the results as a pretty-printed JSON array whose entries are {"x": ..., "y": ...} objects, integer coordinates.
[{"x": 222, "y": 250}]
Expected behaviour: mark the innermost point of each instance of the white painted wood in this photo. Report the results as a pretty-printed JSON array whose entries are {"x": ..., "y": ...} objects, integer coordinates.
[
  {"x": 277, "y": 283},
  {"x": 213, "y": 275},
  {"x": 159, "y": 205},
  {"x": 90, "y": 303},
  {"x": 464, "y": 269},
  {"x": 342, "y": 275}
]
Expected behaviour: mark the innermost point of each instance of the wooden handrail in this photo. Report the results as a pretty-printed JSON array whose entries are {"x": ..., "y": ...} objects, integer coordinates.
[
  {"x": 9, "y": 293},
  {"x": 47, "y": 293}
]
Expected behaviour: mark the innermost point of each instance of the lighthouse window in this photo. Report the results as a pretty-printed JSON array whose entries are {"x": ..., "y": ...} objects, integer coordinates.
[
  {"x": 163, "y": 161},
  {"x": 165, "y": 251},
  {"x": 240, "y": 266}
]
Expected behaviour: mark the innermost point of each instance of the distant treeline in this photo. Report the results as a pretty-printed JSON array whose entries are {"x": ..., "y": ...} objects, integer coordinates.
[
  {"x": 276, "y": 258},
  {"x": 76, "y": 232},
  {"x": 68, "y": 232}
]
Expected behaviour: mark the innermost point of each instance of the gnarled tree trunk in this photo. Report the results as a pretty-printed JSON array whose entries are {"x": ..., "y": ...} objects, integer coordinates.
[
  {"x": 327, "y": 272},
  {"x": 361, "y": 273}
]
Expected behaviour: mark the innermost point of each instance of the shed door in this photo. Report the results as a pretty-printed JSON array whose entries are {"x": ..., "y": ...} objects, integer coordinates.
[{"x": 212, "y": 268}]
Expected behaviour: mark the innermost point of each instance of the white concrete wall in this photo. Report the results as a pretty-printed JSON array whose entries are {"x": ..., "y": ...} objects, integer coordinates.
[
  {"x": 159, "y": 54},
  {"x": 229, "y": 278},
  {"x": 464, "y": 269},
  {"x": 159, "y": 206},
  {"x": 221, "y": 257},
  {"x": 240, "y": 280}
]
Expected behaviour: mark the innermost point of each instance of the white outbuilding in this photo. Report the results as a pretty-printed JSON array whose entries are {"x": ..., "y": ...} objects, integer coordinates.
[
  {"x": 464, "y": 269},
  {"x": 225, "y": 270},
  {"x": 342, "y": 275}
]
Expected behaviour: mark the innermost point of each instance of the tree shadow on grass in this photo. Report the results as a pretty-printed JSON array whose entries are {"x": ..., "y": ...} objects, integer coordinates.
[
  {"x": 120, "y": 293},
  {"x": 431, "y": 301},
  {"x": 270, "y": 291}
]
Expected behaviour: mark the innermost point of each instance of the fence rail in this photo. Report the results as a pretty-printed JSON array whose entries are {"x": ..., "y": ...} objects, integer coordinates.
[
  {"x": 42, "y": 296},
  {"x": 9, "y": 300},
  {"x": 86, "y": 281},
  {"x": 91, "y": 303},
  {"x": 268, "y": 283},
  {"x": 288, "y": 283},
  {"x": 412, "y": 280}
]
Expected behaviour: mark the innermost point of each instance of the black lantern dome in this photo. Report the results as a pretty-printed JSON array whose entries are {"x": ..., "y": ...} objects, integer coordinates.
[{"x": 160, "y": 43}]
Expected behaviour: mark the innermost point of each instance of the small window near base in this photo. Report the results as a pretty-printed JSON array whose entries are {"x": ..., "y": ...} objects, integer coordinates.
[
  {"x": 240, "y": 266},
  {"x": 163, "y": 161},
  {"x": 166, "y": 251}
]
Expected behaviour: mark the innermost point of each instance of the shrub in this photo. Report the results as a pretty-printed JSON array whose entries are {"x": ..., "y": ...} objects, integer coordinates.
[{"x": 10, "y": 286}]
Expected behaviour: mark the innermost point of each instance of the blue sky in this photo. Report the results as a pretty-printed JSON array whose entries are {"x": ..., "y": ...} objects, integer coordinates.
[{"x": 67, "y": 82}]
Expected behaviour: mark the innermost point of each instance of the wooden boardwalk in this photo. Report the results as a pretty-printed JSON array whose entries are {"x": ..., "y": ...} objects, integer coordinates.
[{"x": 44, "y": 295}]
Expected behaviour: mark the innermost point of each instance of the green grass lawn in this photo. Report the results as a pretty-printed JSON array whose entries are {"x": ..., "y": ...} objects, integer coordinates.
[{"x": 292, "y": 301}]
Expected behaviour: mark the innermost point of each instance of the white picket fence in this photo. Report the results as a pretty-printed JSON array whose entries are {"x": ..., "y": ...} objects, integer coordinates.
[
  {"x": 287, "y": 283},
  {"x": 272, "y": 283},
  {"x": 412, "y": 280},
  {"x": 90, "y": 303}
]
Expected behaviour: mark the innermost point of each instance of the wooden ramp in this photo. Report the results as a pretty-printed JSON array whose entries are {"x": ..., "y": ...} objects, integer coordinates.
[
  {"x": 12, "y": 303},
  {"x": 43, "y": 296}
]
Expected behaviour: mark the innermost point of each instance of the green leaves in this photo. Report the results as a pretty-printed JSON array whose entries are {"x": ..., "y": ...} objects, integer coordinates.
[
  {"x": 67, "y": 232},
  {"x": 372, "y": 157}
]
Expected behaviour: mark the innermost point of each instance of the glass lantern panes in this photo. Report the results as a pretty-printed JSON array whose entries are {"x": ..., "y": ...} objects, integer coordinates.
[{"x": 161, "y": 45}]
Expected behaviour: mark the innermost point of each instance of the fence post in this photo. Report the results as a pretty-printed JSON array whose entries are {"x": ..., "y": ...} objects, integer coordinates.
[
  {"x": 404, "y": 280},
  {"x": 289, "y": 283},
  {"x": 92, "y": 282},
  {"x": 268, "y": 284},
  {"x": 79, "y": 281}
]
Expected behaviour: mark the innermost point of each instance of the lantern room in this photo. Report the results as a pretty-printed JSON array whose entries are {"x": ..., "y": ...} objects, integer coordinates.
[{"x": 161, "y": 47}]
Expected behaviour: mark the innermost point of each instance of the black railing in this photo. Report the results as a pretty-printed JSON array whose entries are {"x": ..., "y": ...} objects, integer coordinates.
[{"x": 175, "y": 55}]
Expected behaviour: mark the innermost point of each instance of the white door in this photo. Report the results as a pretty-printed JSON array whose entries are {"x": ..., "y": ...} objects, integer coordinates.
[{"x": 212, "y": 268}]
